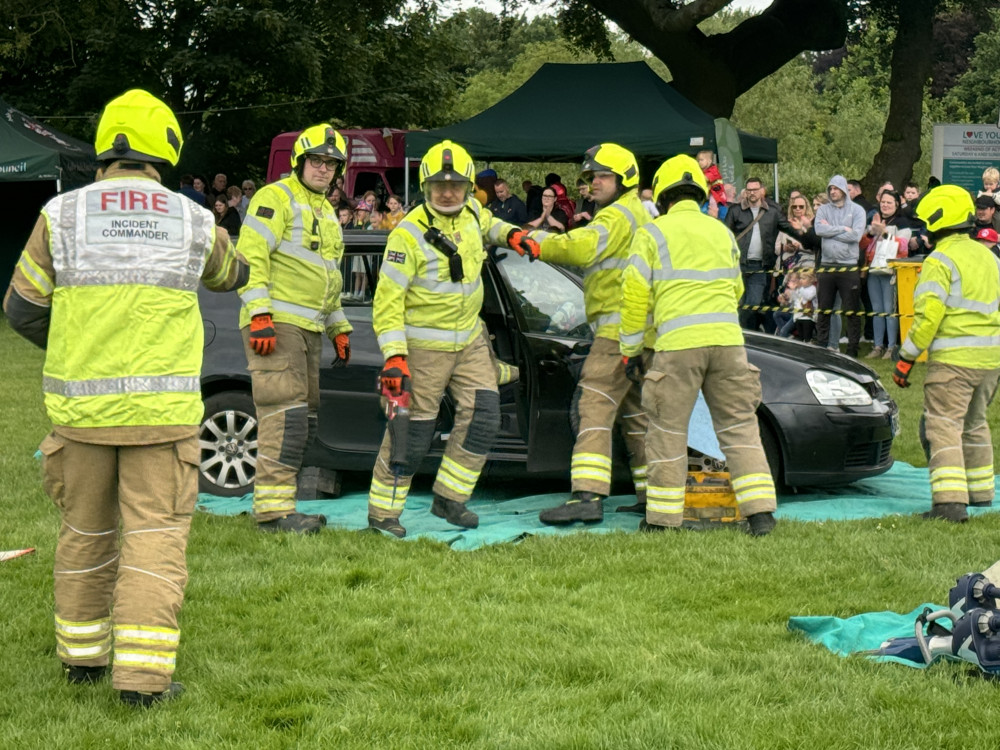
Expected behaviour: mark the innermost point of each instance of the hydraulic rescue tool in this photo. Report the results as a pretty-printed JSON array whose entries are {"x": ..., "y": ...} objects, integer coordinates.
[{"x": 397, "y": 412}]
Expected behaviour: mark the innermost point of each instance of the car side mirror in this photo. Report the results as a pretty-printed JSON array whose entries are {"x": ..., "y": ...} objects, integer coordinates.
[{"x": 582, "y": 347}]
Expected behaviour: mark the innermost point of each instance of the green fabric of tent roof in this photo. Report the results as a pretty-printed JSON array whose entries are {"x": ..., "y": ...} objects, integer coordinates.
[
  {"x": 31, "y": 152},
  {"x": 565, "y": 108}
]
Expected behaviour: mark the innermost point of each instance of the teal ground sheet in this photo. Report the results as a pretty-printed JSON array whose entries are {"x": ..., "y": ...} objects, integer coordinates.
[{"x": 504, "y": 516}]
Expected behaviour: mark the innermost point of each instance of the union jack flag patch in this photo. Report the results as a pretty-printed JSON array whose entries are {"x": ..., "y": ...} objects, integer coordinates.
[{"x": 395, "y": 256}]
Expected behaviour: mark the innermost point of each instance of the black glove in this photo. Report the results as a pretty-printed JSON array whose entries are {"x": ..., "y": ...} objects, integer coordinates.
[{"x": 635, "y": 369}]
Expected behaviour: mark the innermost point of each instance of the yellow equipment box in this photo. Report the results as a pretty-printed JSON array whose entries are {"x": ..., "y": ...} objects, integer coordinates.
[{"x": 709, "y": 500}]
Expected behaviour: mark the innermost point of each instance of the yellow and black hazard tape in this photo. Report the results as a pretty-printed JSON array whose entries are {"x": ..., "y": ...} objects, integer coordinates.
[
  {"x": 834, "y": 311},
  {"x": 814, "y": 269}
]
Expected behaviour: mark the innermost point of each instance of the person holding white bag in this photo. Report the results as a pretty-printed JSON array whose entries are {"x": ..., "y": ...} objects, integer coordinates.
[{"x": 890, "y": 235}]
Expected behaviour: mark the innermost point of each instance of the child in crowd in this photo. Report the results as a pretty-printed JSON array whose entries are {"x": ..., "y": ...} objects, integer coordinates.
[
  {"x": 784, "y": 323},
  {"x": 706, "y": 160},
  {"x": 991, "y": 181},
  {"x": 804, "y": 304},
  {"x": 375, "y": 220}
]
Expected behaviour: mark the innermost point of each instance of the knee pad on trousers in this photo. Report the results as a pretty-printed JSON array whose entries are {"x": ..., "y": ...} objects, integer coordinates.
[
  {"x": 574, "y": 411},
  {"x": 313, "y": 429},
  {"x": 485, "y": 423},
  {"x": 418, "y": 442},
  {"x": 922, "y": 434},
  {"x": 294, "y": 436}
]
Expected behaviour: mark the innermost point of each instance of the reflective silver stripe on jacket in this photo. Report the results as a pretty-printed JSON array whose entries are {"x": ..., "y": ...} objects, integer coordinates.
[
  {"x": 429, "y": 279},
  {"x": 337, "y": 316},
  {"x": 396, "y": 275},
  {"x": 437, "y": 334},
  {"x": 690, "y": 274},
  {"x": 312, "y": 257},
  {"x": 250, "y": 295},
  {"x": 631, "y": 339},
  {"x": 297, "y": 237},
  {"x": 603, "y": 237},
  {"x": 931, "y": 287},
  {"x": 639, "y": 264},
  {"x": 114, "y": 386},
  {"x": 633, "y": 222},
  {"x": 391, "y": 337},
  {"x": 93, "y": 249},
  {"x": 963, "y": 341},
  {"x": 695, "y": 319},
  {"x": 256, "y": 225},
  {"x": 42, "y": 281},
  {"x": 130, "y": 277},
  {"x": 301, "y": 310},
  {"x": 607, "y": 320}
]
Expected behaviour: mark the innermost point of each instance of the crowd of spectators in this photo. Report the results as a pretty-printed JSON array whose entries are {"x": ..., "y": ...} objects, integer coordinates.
[{"x": 228, "y": 203}]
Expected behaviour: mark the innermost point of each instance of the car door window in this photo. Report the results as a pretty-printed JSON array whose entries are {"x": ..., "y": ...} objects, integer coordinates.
[
  {"x": 548, "y": 300},
  {"x": 360, "y": 272}
]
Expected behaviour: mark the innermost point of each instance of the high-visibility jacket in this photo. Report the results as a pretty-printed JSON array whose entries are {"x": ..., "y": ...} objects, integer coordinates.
[
  {"x": 292, "y": 240},
  {"x": 690, "y": 264},
  {"x": 119, "y": 273},
  {"x": 955, "y": 306},
  {"x": 416, "y": 304},
  {"x": 601, "y": 249}
]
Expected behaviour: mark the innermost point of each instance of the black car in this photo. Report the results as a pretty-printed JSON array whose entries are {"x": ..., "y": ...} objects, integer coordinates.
[{"x": 825, "y": 419}]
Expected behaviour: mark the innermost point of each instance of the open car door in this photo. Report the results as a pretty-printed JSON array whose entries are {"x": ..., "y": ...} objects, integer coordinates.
[{"x": 553, "y": 340}]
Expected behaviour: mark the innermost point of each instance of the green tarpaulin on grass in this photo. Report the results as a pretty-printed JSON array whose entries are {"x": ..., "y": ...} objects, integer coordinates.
[{"x": 904, "y": 489}]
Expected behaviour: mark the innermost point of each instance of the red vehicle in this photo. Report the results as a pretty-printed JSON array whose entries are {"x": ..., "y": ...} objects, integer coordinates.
[{"x": 376, "y": 158}]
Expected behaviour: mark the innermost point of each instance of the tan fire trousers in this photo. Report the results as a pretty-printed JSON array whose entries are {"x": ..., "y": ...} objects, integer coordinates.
[
  {"x": 961, "y": 448},
  {"x": 732, "y": 391},
  {"x": 470, "y": 377},
  {"x": 120, "y": 568},
  {"x": 286, "y": 396},
  {"x": 604, "y": 398}
]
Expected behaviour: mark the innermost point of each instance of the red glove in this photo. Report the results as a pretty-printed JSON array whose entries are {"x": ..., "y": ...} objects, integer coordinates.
[
  {"x": 342, "y": 343},
  {"x": 519, "y": 241},
  {"x": 901, "y": 375},
  {"x": 262, "y": 334},
  {"x": 391, "y": 377}
]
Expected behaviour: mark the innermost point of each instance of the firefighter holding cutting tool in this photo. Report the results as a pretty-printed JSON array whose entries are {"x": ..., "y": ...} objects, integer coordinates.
[{"x": 426, "y": 317}]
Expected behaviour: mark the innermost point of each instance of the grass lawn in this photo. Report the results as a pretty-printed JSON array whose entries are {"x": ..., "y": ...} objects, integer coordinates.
[{"x": 607, "y": 641}]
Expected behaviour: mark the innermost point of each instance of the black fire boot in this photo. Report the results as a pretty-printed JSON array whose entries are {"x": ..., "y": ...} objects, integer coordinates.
[
  {"x": 761, "y": 524},
  {"x": 138, "y": 699},
  {"x": 388, "y": 525},
  {"x": 77, "y": 675},
  {"x": 639, "y": 507},
  {"x": 954, "y": 512},
  {"x": 583, "y": 506},
  {"x": 647, "y": 527},
  {"x": 454, "y": 513},
  {"x": 296, "y": 523},
  {"x": 981, "y": 503}
]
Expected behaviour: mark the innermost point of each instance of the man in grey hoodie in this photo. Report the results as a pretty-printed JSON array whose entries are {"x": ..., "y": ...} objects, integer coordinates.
[{"x": 839, "y": 224}]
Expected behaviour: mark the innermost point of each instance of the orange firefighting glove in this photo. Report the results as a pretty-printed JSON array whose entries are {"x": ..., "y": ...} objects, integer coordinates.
[
  {"x": 519, "y": 241},
  {"x": 635, "y": 369},
  {"x": 342, "y": 343},
  {"x": 262, "y": 334},
  {"x": 901, "y": 375},
  {"x": 391, "y": 377}
]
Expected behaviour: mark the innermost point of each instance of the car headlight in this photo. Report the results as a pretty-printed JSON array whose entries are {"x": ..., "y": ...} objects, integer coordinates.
[{"x": 832, "y": 389}]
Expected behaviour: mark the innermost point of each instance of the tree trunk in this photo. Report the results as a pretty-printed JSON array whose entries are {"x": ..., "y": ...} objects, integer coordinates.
[
  {"x": 911, "y": 69},
  {"x": 713, "y": 71}
]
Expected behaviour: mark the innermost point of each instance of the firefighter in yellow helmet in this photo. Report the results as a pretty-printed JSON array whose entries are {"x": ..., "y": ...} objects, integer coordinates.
[
  {"x": 107, "y": 285},
  {"x": 685, "y": 267},
  {"x": 292, "y": 239},
  {"x": 955, "y": 320},
  {"x": 426, "y": 317},
  {"x": 605, "y": 396}
]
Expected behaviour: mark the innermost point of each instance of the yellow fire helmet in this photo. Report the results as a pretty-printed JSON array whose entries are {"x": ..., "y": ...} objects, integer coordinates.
[
  {"x": 446, "y": 162},
  {"x": 610, "y": 157},
  {"x": 678, "y": 171},
  {"x": 321, "y": 140},
  {"x": 138, "y": 126},
  {"x": 947, "y": 207}
]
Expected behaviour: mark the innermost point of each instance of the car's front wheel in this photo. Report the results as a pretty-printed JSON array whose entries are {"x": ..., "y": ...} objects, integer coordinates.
[
  {"x": 772, "y": 451},
  {"x": 228, "y": 439}
]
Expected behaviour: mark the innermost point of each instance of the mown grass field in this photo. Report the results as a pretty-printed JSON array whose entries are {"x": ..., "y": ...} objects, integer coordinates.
[{"x": 587, "y": 641}]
